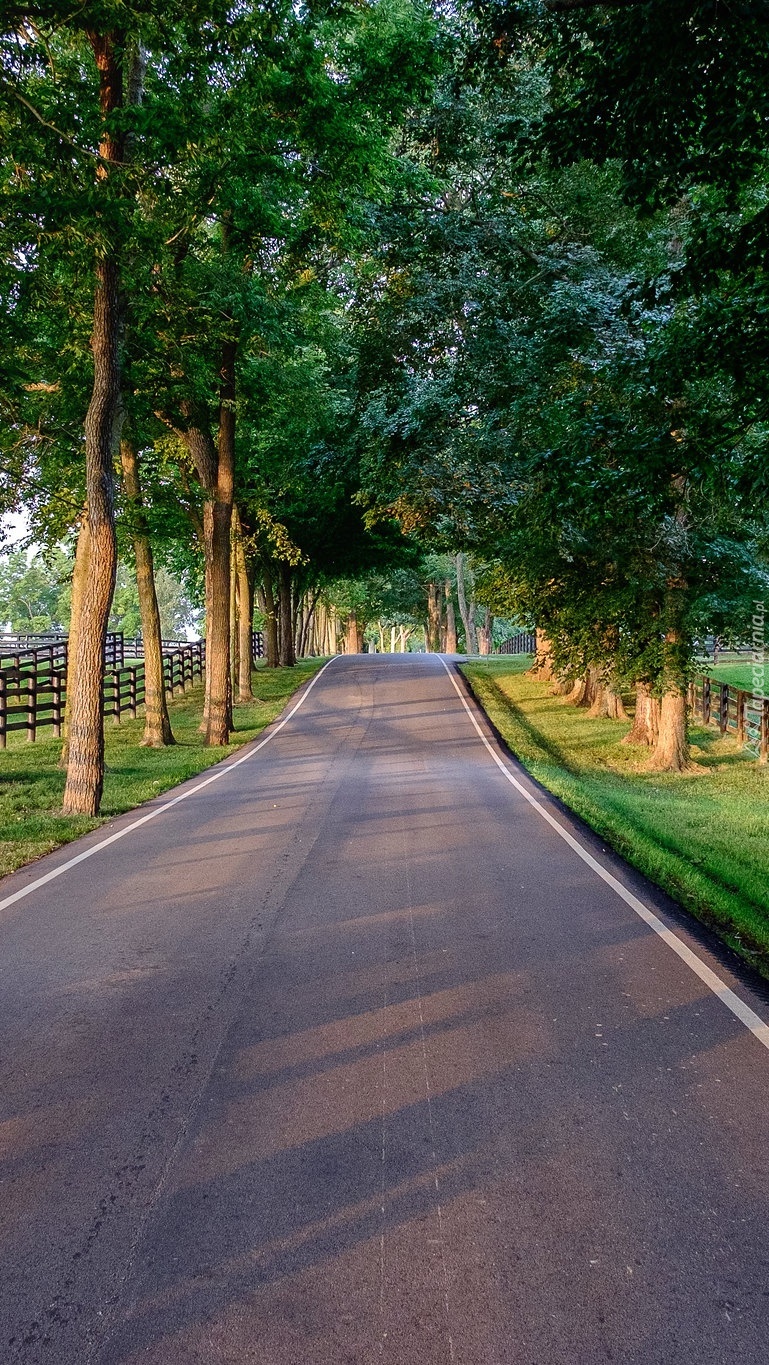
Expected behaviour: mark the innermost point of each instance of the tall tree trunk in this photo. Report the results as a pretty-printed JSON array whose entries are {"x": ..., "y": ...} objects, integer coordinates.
[
  {"x": 157, "y": 725},
  {"x": 85, "y": 766},
  {"x": 354, "y": 644},
  {"x": 451, "y": 620},
  {"x": 270, "y": 620},
  {"x": 79, "y": 580},
  {"x": 542, "y": 668},
  {"x": 671, "y": 751},
  {"x": 208, "y": 531},
  {"x": 466, "y": 610},
  {"x": 245, "y": 624},
  {"x": 646, "y": 721},
  {"x": 234, "y": 620},
  {"x": 607, "y": 703},
  {"x": 585, "y": 689},
  {"x": 433, "y": 618},
  {"x": 219, "y": 723},
  {"x": 308, "y": 622},
  {"x": 485, "y": 633},
  {"x": 287, "y": 655}
]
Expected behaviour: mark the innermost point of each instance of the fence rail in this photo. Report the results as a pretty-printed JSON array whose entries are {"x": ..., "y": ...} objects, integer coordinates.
[
  {"x": 525, "y": 642},
  {"x": 734, "y": 710},
  {"x": 33, "y": 678},
  {"x": 33, "y": 687}
]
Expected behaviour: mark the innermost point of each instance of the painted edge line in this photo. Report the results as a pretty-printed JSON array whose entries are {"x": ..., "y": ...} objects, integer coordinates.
[
  {"x": 725, "y": 994},
  {"x": 221, "y": 770}
]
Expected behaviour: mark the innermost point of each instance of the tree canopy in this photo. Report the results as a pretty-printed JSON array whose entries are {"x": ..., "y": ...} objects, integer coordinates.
[{"x": 396, "y": 312}]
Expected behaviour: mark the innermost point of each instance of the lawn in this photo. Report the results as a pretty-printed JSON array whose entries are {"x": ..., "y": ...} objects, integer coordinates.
[
  {"x": 703, "y": 836},
  {"x": 31, "y": 784},
  {"x": 738, "y": 672}
]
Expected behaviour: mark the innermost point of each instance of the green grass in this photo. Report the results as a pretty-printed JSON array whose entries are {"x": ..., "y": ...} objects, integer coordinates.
[
  {"x": 31, "y": 784},
  {"x": 703, "y": 836},
  {"x": 738, "y": 672}
]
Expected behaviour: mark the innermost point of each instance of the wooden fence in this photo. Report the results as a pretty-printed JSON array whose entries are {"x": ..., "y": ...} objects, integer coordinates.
[
  {"x": 33, "y": 692},
  {"x": 733, "y": 710},
  {"x": 525, "y": 642},
  {"x": 33, "y": 678}
]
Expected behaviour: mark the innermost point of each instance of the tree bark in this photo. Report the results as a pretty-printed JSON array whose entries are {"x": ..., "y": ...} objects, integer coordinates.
[
  {"x": 671, "y": 751},
  {"x": 485, "y": 633},
  {"x": 542, "y": 668},
  {"x": 219, "y": 719},
  {"x": 245, "y": 594},
  {"x": 287, "y": 654},
  {"x": 354, "y": 642},
  {"x": 607, "y": 704},
  {"x": 157, "y": 725},
  {"x": 306, "y": 642},
  {"x": 433, "y": 618},
  {"x": 270, "y": 621},
  {"x": 451, "y": 620},
  {"x": 85, "y": 766},
  {"x": 79, "y": 580},
  {"x": 466, "y": 610},
  {"x": 646, "y": 721}
]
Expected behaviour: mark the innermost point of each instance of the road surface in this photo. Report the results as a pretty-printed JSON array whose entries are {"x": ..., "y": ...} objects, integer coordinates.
[{"x": 350, "y": 1057}]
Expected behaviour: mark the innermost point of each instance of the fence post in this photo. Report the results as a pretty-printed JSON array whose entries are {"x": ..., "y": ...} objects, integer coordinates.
[
  {"x": 56, "y": 694},
  {"x": 115, "y": 697},
  {"x": 31, "y": 707},
  {"x": 3, "y": 710},
  {"x": 706, "y": 701},
  {"x": 723, "y": 708},
  {"x": 742, "y": 704},
  {"x": 132, "y": 692}
]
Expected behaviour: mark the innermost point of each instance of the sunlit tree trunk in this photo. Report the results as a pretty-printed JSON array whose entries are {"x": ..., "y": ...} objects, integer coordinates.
[
  {"x": 466, "y": 609},
  {"x": 157, "y": 725},
  {"x": 646, "y": 720},
  {"x": 485, "y": 633},
  {"x": 607, "y": 703},
  {"x": 354, "y": 641},
  {"x": 433, "y": 639},
  {"x": 451, "y": 620},
  {"x": 85, "y": 765},
  {"x": 671, "y": 751},
  {"x": 219, "y": 720},
  {"x": 245, "y": 595},
  {"x": 77, "y": 591},
  {"x": 542, "y": 668}
]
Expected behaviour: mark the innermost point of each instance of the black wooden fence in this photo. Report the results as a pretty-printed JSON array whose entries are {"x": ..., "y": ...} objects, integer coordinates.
[
  {"x": 33, "y": 678},
  {"x": 525, "y": 642}
]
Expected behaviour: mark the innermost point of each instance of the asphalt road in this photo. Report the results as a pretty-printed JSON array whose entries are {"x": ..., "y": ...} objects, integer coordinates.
[{"x": 349, "y": 1057}]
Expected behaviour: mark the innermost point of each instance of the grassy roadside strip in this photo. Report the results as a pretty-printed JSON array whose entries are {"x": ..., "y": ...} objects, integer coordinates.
[
  {"x": 32, "y": 786},
  {"x": 703, "y": 837}
]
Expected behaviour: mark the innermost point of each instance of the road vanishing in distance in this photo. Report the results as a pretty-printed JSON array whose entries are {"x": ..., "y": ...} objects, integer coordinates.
[{"x": 349, "y": 1057}]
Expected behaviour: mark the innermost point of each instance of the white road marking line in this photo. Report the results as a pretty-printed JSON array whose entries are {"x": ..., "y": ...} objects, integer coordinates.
[
  {"x": 220, "y": 771},
  {"x": 725, "y": 994}
]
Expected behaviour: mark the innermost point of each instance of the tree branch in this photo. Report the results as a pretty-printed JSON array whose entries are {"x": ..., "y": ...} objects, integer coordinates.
[{"x": 84, "y": 151}]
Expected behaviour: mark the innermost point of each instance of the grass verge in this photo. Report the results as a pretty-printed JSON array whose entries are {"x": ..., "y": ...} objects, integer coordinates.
[
  {"x": 703, "y": 837},
  {"x": 32, "y": 785},
  {"x": 738, "y": 672}
]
